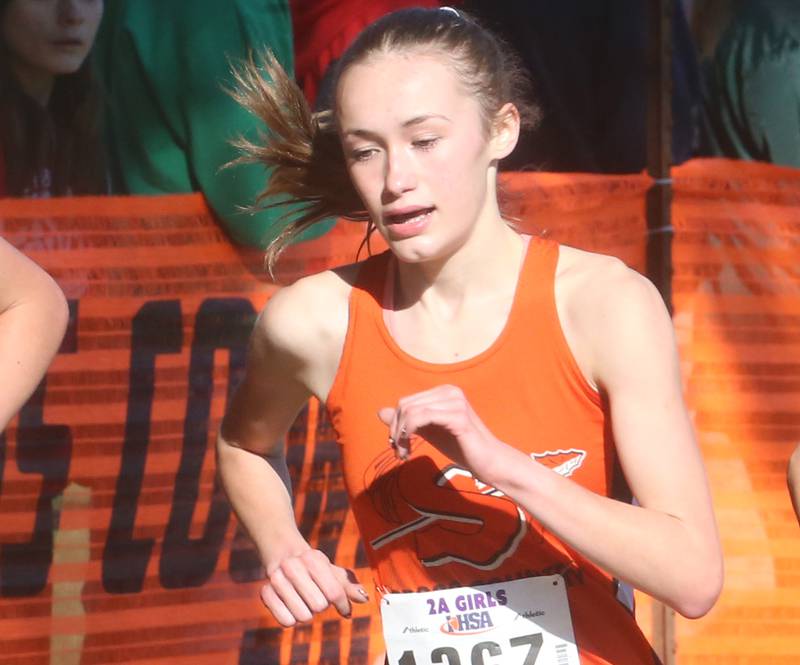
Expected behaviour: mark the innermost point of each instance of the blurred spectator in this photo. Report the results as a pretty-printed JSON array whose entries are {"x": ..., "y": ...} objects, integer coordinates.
[
  {"x": 33, "y": 318},
  {"x": 50, "y": 137},
  {"x": 166, "y": 66},
  {"x": 588, "y": 63},
  {"x": 323, "y": 29},
  {"x": 750, "y": 57},
  {"x": 793, "y": 480}
]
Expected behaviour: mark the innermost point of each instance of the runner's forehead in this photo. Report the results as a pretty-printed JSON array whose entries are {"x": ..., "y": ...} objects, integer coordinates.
[{"x": 400, "y": 89}]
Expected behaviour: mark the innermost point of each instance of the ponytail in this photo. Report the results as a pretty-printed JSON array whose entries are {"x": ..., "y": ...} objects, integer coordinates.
[{"x": 301, "y": 149}]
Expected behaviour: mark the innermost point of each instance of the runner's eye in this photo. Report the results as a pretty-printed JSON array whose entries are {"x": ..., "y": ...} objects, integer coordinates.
[
  {"x": 363, "y": 154},
  {"x": 427, "y": 143}
]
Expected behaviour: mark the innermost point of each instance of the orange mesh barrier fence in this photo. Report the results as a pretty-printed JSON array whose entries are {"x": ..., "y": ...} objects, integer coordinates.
[
  {"x": 737, "y": 314},
  {"x": 116, "y": 543}
]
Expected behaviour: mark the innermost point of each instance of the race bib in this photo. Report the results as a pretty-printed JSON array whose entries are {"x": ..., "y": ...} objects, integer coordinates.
[{"x": 522, "y": 622}]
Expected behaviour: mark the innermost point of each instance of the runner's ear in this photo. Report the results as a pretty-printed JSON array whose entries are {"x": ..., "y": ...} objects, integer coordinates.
[{"x": 505, "y": 131}]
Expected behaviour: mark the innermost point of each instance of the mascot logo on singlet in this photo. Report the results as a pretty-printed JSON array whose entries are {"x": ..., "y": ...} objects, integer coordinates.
[{"x": 436, "y": 508}]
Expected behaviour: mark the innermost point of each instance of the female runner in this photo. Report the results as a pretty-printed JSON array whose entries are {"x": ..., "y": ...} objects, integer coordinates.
[{"x": 488, "y": 389}]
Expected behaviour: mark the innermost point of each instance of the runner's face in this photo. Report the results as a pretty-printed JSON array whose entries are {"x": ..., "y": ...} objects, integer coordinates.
[
  {"x": 417, "y": 151},
  {"x": 50, "y": 37}
]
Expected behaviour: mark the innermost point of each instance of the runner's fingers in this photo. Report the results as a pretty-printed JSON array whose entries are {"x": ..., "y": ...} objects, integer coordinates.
[
  {"x": 290, "y": 597},
  {"x": 386, "y": 415},
  {"x": 443, "y": 392},
  {"x": 443, "y": 405},
  {"x": 444, "y": 424},
  {"x": 421, "y": 412},
  {"x": 449, "y": 414},
  {"x": 355, "y": 591},
  {"x": 299, "y": 574},
  {"x": 329, "y": 582},
  {"x": 399, "y": 437},
  {"x": 444, "y": 400},
  {"x": 276, "y": 606}
]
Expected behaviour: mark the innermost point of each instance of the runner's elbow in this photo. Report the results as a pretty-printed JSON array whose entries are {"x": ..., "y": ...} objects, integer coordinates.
[{"x": 700, "y": 595}]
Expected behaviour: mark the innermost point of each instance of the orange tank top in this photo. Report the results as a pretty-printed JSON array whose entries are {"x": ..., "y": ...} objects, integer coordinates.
[{"x": 426, "y": 523}]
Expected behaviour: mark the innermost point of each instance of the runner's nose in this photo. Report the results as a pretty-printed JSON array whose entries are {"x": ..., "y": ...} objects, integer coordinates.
[{"x": 400, "y": 176}]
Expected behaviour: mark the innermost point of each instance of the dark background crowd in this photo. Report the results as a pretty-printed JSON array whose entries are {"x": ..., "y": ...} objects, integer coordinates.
[{"x": 132, "y": 96}]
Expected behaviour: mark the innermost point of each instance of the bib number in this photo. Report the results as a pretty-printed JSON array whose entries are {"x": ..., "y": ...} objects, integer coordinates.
[
  {"x": 522, "y": 622},
  {"x": 449, "y": 656}
]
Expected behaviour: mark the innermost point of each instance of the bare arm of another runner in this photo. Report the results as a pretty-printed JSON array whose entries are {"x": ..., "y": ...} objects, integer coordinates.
[
  {"x": 33, "y": 318},
  {"x": 288, "y": 361},
  {"x": 793, "y": 480}
]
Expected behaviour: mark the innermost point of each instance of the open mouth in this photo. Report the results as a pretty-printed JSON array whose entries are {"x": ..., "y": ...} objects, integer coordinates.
[{"x": 408, "y": 216}]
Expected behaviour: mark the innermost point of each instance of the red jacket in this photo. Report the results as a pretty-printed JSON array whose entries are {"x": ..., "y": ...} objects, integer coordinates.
[{"x": 323, "y": 29}]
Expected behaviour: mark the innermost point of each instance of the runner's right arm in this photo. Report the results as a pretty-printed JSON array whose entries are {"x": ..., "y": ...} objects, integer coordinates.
[{"x": 281, "y": 373}]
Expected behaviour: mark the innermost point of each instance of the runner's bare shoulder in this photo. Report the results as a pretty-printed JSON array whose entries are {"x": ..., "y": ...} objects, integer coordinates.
[
  {"x": 303, "y": 326},
  {"x": 604, "y": 306},
  {"x": 590, "y": 284}
]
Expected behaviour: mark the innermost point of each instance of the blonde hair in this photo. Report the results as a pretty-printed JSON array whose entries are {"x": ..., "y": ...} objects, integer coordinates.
[{"x": 302, "y": 148}]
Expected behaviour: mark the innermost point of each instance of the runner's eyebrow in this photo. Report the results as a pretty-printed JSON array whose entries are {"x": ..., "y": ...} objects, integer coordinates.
[
  {"x": 416, "y": 120},
  {"x": 422, "y": 118}
]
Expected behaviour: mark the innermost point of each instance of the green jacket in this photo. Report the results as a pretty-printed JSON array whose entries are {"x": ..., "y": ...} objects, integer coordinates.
[
  {"x": 751, "y": 108},
  {"x": 165, "y": 65}
]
